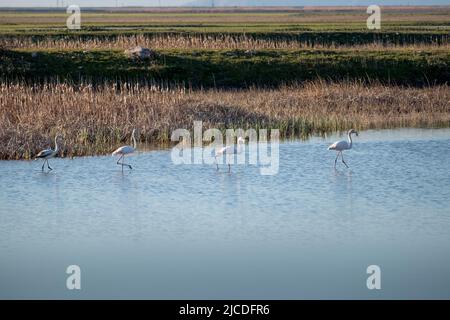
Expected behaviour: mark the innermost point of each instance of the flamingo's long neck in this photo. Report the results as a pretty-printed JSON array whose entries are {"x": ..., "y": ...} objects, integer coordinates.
[
  {"x": 56, "y": 144},
  {"x": 350, "y": 140},
  {"x": 134, "y": 141}
]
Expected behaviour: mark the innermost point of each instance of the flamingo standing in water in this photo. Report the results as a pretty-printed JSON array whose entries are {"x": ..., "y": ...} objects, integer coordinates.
[
  {"x": 49, "y": 153},
  {"x": 342, "y": 145},
  {"x": 124, "y": 150},
  {"x": 230, "y": 150}
]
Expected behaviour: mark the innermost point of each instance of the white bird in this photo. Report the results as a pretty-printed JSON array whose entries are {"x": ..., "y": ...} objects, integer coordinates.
[
  {"x": 49, "y": 153},
  {"x": 342, "y": 145},
  {"x": 230, "y": 150},
  {"x": 124, "y": 150}
]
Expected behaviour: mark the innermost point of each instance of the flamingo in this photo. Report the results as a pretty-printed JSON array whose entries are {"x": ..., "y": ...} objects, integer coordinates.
[
  {"x": 49, "y": 153},
  {"x": 124, "y": 150},
  {"x": 230, "y": 150},
  {"x": 342, "y": 145}
]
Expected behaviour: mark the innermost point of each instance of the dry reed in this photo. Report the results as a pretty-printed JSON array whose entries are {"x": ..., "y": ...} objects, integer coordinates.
[
  {"x": 96, "y": 120},
  {"x": 193, "y": 41}
]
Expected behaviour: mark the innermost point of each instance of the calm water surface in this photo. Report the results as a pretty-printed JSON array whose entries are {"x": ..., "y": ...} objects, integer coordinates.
[{"x": 187, "y": 231}]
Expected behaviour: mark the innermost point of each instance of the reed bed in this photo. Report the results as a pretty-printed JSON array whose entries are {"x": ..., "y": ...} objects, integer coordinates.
[
  {"x": 211, "y": 42},
  {"x": 95, "y": 120}
]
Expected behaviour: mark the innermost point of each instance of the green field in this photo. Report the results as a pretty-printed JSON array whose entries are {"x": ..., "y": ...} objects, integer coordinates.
[
  {"x": 228, "y": 47},
  {"x": 256, "y": 20},
  {"x": 238, "y": 68}
]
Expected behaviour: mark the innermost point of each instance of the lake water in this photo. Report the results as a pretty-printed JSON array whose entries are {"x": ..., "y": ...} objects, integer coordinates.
[{"x": 190, "y": 232}]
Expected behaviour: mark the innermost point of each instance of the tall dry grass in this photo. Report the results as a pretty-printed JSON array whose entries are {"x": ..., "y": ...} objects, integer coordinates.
[
  {"x": 96, "y": 120},
  {"x": 199, "y": 41}
]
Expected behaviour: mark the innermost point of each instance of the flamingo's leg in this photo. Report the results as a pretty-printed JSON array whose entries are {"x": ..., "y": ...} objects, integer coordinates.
[
  {"x": 123, "y": 163},
  {"x": 126, "y": 164},
  {"x": 335, "y": 160},
  {"x": 48, "y": 165},
  {"x": 229, "y": 168},
  {"x": 118, "y": 161},
  {"x": 342, "y": 156},
  {"x": 43, "y": 164}
]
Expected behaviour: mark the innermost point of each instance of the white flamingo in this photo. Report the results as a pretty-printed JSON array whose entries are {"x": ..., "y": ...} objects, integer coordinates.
[
  {"x": 124, "y": 150},
  {"x": 49, "y": 153},
  {"x": 230, "y": 150},
  {"x": 342, "y": 145}
]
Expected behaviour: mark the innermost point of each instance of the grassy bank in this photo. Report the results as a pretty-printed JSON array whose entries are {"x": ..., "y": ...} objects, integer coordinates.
[
  {"x": 96, "y": 120},
  {"x": 225, "y": 68}
]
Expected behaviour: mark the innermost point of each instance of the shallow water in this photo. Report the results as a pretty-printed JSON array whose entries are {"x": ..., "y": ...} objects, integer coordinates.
[{"x": 188, "y": 232}]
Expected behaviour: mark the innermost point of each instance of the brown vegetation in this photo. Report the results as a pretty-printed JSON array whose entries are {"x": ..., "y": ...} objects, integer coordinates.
[
  {"x": 96, "y": 120},
  {"x": 199, "y": 42}
]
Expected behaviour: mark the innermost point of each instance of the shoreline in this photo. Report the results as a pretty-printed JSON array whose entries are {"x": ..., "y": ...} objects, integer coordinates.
[{"x": 367, "y": 135}]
